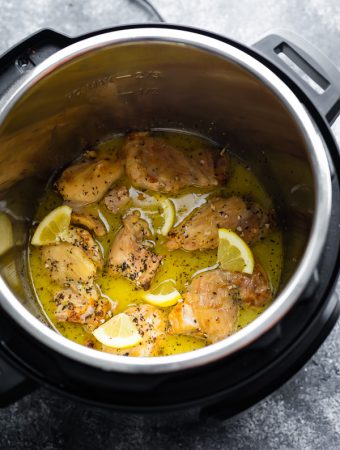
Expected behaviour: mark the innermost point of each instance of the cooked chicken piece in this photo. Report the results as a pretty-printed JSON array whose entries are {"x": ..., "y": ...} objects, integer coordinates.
[
  {"x": 83, "y": 239},
  {"x": 88, "y": 182},
  {"x": 89, "y": 221},
  {"x": 253, "y": 289},
  {"x": 151, "y": 324},
  {"x": 200, "y": 231},
  {"x": 211, "y": 305},
  {"x": 116, "y": 199},
  {"x": 182, "y": 320},
  {"x": 129, "y": 256},
  {"x": 82, "y": 305},
  {"x": 74, "y": 261},
  {"x": 68, "y": 264},
  {"x": 222, "y": 167},
  {"x": 152, "y": 163}
]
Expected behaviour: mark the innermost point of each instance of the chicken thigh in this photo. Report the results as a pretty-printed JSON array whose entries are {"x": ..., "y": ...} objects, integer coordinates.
[
  {"x": 151, "y": 324},
  {"x": 67, "y": 264},
  {"x": 88, "y": 221},
  {"x": 200, "y": 231},
  {"x": 129, "y": 256},
  {"x": 88, "y": 182},
  {"x": 74, "y": 261},
  {"x": 83, "y": 306},
  {"x": 209, "y": 307},
  {"x": 211, "y": 304},
  {"x": 116, "y": 199},
  {"x": 252, "y": 289},
  {"x": 152, "y": 163}
]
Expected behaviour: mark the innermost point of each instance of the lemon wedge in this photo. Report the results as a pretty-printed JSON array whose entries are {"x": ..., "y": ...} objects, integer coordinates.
[
  {"x": 53, "y": 227},
  {"x": 6, "y": 233},
  {"x": 169, "y": 215},
  {"x": 165, "y": 294},
  {"x": 233, "y": 253},
  {"x": 118, "y": 332}
]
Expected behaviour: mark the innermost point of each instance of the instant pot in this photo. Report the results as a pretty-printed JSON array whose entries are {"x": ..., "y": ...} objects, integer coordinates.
[{"x": 272, "y": 103}]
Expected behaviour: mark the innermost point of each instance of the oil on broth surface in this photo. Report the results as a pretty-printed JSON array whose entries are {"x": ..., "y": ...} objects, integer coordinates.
[{"x": 178, "y": 265}]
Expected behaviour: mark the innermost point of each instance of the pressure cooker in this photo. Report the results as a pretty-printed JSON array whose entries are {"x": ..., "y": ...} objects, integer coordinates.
[{"x": 274, "y": 102}]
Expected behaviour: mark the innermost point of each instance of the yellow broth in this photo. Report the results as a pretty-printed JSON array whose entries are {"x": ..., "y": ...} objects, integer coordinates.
[{"x": 178, "y": 265}]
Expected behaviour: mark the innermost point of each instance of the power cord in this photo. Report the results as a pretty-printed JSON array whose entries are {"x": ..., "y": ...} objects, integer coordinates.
[{"x": 150, "y": 8}]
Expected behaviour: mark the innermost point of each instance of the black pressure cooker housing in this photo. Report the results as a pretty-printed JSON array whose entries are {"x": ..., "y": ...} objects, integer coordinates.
[{"x": 223, "y": 388}]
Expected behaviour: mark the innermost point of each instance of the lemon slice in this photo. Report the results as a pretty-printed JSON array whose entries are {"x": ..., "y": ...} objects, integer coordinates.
[
  {"x": 165, "y": 294},
  {"x": 118, "y": 332},
  {"x": 169, "y": 215},
  {"x": 142, "y": 199},
  {"x": 53, "y": 227},
  {"x": 233, "y": 253},
  {"x": 6, "y": 233}
]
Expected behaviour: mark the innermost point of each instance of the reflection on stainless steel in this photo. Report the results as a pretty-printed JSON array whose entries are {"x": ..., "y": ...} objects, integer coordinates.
[{"x": 163, "y": 78}]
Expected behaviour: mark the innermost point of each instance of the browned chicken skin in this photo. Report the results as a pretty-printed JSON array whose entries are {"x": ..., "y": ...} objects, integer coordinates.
[
  {"x": 252, "y": 289},
  {"x": 152, "y": 163},
  {"x": 82, "y": 305},
  {"x": 200, "y": 231},
  {"x": 88, "y": 182},
  {"x": 151, "y": 324},
  {"x": 211, "y": 304},
  {"x": 116, "y": 199},
  {"x": 129, "y": 256}
]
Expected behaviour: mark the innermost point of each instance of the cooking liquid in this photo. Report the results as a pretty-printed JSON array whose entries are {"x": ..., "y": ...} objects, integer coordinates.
[{"x": 178, "y": 265}]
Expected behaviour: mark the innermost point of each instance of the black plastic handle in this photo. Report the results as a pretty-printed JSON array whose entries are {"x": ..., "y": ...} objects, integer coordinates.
[
  {"x": 27, "y": 54},
  {"x": 309, "y": 68},
  {"x": 13, "y": 384}
]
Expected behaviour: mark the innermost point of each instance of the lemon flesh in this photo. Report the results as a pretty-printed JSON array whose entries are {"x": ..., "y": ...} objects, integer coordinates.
[
  {"x": 6, "y": 233},
  {"x": 118, "y": 332},
  {"x": 53, "y": 227},
  {"x": 165, "y": 294},
  {"x": 233, "y": 253},
  {"x": 169, "y": 215}
]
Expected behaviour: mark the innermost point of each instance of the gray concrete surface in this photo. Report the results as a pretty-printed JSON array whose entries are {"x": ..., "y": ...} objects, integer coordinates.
[{"x": 303, "y": 414}]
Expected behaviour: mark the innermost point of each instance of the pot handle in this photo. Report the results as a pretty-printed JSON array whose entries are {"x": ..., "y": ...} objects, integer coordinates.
[
  {"x": 24, "y": 56},
  {"x": 13, "y": 384},
  {"x": 309, "y": 68}
]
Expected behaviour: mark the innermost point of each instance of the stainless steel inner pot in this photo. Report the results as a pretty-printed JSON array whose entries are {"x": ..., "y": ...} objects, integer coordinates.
[{"x": 160, "y": 78}]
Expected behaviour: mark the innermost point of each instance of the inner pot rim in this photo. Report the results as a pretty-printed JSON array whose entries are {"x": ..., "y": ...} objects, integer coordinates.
[{"x": 291, "y": 292}]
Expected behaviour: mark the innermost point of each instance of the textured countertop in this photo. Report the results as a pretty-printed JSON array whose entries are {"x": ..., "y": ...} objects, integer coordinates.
[{"x": 303, "y": 414}]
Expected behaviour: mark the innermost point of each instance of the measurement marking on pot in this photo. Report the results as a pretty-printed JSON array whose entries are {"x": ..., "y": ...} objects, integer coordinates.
[
  {"x": 149, "y": 74},
  {"x": 141, "y": 91},
  {"x": 115, "y": 79},
  {"x": 126, "y": 93},
  {"x": 140, "y": 75},
  {"x": 119, "y": 77}
]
